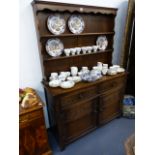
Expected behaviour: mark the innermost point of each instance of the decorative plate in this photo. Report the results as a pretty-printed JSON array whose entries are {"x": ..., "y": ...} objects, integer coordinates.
[
  {"x": 56, "y": 24},
  {"x": 76, "y": 24},
  {"x": 102, "y": 42},
  {"x": 54, "y": 47}
]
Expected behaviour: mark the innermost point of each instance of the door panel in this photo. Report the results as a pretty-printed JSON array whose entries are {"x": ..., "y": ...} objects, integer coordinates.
[{"x": 110, "y": 105}]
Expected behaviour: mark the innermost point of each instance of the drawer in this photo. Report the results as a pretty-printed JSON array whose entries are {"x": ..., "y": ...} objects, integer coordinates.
[
  {"x": 111, "y": 97},
  {"x": 112, "y": 84},
  {"x": 78, "y": 96},
  {"x": 79, "y": 110},
  {"x": 25, "y": 118}
]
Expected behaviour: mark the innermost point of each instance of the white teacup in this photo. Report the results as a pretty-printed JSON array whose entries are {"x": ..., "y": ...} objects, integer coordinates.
[
  {"x": 67, "y": 51},
  {"x": 84, "y": 50},
  {"x": 100, "y": 65},
  {"x": 89, "y": 48},
  {"x": 116, "y": 67},
  {"x": 54, "y": 76},
  {"x": 78, "y": 50},
  {"x": 74, "y": 70},
  {"x": 62, "y": 77},
  {"x": 105, "y": 65},
  {"x": 73, "y": 51},
  {"x": 95, "y": 48}
]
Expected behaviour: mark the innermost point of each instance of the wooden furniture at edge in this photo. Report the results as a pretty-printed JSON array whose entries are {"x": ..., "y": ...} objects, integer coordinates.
[
  {"x": 33, "y": 138},
  {"x": 79, "y": 110}
]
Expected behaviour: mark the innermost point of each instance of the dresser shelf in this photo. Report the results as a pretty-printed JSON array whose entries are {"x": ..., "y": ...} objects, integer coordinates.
[{"x": 49, "y": 58}]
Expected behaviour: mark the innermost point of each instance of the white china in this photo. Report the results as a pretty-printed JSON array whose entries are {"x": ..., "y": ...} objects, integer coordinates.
[
  {"x": 54, "y": 76},
  {"x": 73, "y": 51},
  {"x": 112, "y": 68},
  {"x": 96, "y": 68},
  {"x": 116, "y": 67},
  {"x": 84, "y": 68},
  {"x": 100, "y": 65},
  {"x": 104, "y": 70},
  {"x": 102, "y": 42},
  {"x": 76, "y": 24},
  {"x": 67, "y": 51},
  {"x": 84, "y": 50},
  {"x": 78, "y": 50},
  {"x": 112, "y": 72},
  {"x": 89, "y": 48},
  {"x": 105, "y": 65},
  {"x": 95, "y": 48},
  {"x": 62, "y": 77},
  {"x": 76, "y": 79},
  {"x": 54, "y": 83},
  {"x": 74, "y": 70},
  {"x": 80, "y": 73},
  {"x": 67, "y": 84},
  {"x": 120, "y": 70},
  {"x": 65, "y": 74},
  {"x": 70, "y": 78},
  {"x": 54, "y": 47},
  {"x": 56, "y": 24}
]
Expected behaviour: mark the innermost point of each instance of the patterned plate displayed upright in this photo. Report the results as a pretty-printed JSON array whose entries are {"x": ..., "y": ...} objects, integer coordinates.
[
  {"x": 56, "y": 24},
  {"x": 76, "y": 24},
  {"x": 102, "y": 42},
  {"x": 54, "y": 47}
]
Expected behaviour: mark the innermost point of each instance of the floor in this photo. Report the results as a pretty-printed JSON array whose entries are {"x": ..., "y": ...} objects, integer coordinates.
[{"x": 106, "y": 140}]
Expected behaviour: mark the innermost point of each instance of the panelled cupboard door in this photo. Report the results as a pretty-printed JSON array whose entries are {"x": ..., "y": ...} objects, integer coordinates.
[
  {"x": 110, "y": 105},
  {"x": 79, "y": 119},
  {"x": 33, "y": 138}
]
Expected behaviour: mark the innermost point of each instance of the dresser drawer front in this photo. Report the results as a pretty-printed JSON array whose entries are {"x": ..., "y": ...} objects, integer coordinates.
[
  {"x": 111, "y": 98},
  {"x": 25, "y": 118},
  {"x": 112, "y": 84},
  {"x": 78, "y": 96},
  {"x": 79, "y": 110}
]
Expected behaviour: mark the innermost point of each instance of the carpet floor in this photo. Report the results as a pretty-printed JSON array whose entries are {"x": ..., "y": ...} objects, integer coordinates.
[{"x": 106, "y": 140}]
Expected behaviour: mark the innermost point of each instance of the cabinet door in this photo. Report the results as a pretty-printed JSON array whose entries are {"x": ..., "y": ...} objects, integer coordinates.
[
  {"x": 33, "y": 138},
  {"x": 110, "y": 105},
  {"x": 79, "y": 119}
]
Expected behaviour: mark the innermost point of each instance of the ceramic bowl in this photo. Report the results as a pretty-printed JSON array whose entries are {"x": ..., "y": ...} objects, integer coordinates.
[
  {"x": 120, "y": 70},
  {"x": 67, "y": 84},
  {"x": 54, "y": 83},
  {"x": 112, "y": 72},
  {"x": 76, "y": 79}
]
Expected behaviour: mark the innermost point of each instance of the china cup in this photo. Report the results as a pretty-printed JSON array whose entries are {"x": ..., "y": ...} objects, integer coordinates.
[
  {"x": 95, "y": 48},
  {"x": 74, "y": 70},
  {"x": 78, "y": 50},
  {"x": 54, "y": 76},
  {"x": 67, "y": 51},
  {"x": 73, "y": 51},
  {"x": 84, "y": 50},
  {"x": 100, "y": 65}
]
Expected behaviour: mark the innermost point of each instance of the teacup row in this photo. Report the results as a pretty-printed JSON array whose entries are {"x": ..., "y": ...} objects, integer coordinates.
[{"x": 81, "y": 50}]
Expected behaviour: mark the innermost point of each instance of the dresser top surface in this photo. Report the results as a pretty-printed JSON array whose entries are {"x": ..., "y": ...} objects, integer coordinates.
[{"x": 81, "y": 85}]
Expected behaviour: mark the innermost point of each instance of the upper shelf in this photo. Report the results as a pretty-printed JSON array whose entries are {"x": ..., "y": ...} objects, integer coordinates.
[
  {"x": 82, "y": 34},
  {"x": 61, "y": 7}
]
